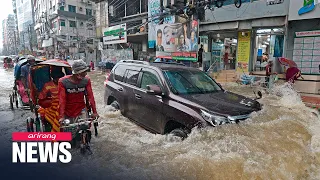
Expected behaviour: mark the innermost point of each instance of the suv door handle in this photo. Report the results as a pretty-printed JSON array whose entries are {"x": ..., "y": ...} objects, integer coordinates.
[
  {"x": 137, "y": 96},
  {"x": 120, "y": 89}
]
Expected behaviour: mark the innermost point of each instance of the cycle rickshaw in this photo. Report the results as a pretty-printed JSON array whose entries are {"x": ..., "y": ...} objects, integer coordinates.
[
  {"x": 41, "y": 75},
  {"x": 19, "y": 96}
]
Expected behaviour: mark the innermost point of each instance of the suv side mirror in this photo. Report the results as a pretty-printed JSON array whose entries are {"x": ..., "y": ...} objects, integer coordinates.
[{"x": 154, "y": 90}]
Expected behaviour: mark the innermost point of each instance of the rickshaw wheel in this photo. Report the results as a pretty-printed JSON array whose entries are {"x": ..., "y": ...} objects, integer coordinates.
[
  {"x": 11, "y": 102},
  {"x": 16, "y": 99}
]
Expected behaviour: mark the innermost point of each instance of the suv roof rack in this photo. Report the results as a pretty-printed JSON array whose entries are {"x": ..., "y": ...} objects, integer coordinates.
[
  {"x": 134, "y": 61},
  {"x": 173, "y": 63}
]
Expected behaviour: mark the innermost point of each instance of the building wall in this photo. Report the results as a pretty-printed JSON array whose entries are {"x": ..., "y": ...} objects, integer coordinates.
[
  {"x": 59, "y": 16},
  {"x": 296, "y": 26},
  {"x": 9, "y": 28},
  {"x": 249, "y": 10}
]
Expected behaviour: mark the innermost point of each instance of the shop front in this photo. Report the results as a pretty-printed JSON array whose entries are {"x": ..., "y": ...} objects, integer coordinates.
[
  {"x": 303, "y": 44},
  {"x": 242, "y": 39}
]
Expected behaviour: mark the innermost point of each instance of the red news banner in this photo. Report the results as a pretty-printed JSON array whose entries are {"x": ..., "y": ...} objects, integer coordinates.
[
  {"x": 43, "y": 136},
  {"x": 43, "y": 147}
]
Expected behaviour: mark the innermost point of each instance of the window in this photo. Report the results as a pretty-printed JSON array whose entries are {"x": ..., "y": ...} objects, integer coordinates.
[
  {"x": 61, "y": 8},
  {"x": 132, "y": 77},
  {"x": 54, "y": 7},
  {"x": 62, "y": 22},
  {"x": 190, "y": 82},
  {"x": 89, "y": 12},
  {"x": 72, "y": 24},
  {"x": 119, "y": 73},
  {"x": 72, "y": 8},
  {"x": 149, "y": 79}
]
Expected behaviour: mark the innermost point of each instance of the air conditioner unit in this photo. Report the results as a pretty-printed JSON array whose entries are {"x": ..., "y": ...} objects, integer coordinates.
[
  {"x": 89, "y": 3},
  {"x": 80, "y": 8}
]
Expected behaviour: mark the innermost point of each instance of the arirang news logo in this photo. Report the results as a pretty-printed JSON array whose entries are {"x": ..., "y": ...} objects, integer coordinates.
[{"x": 41, "y": 147}]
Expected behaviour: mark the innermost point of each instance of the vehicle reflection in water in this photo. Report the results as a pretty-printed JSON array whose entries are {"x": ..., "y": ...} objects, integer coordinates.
[{"x": 282, "y": 141}]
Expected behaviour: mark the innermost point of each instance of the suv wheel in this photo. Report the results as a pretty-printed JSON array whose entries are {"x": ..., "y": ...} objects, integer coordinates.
[
  {"x": 179, "y": 132},
  {"x": 115, "y": 105}
]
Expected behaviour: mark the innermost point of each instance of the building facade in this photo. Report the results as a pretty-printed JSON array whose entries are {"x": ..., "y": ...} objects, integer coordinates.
[
  {"x": 14, "y": 6},
  {"x": 25, "y": 21},
  {"x": 133, "y": 14},
  {"x": 9, "y": 35},
  {"x": 303, "y": 43},
  {"x": 244, "y": 36},
  {"x": 66, "y": 28}
]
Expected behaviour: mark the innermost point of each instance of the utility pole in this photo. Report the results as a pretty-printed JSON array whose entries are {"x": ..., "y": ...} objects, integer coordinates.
[
  {"x": 15, "y": 43},
  {"x": 30, "y": 38}
]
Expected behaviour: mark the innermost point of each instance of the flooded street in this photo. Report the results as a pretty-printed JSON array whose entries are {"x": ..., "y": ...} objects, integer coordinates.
[{"x": 280, "y": 142}]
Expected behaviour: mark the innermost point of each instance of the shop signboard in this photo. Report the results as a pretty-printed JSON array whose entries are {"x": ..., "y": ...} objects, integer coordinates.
[
  {"x": 243, "y": 51},
  {"x": 304, "y": 9},
  {"x": 177, "y": 41},
  {"x": 115, "y": 34},
  {"x": 306, "y": 53},
  {"x": 153, "y": 12}
]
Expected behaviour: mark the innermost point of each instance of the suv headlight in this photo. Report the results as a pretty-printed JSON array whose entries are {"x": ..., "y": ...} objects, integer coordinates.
[{"x": 214, "y": 120}]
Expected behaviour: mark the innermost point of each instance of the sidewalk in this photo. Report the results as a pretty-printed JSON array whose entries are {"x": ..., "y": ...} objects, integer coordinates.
[{"x": 312, "y": 101}]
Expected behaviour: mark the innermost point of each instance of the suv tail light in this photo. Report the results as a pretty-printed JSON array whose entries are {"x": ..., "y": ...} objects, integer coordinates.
[{"x": 108, "y": 75}]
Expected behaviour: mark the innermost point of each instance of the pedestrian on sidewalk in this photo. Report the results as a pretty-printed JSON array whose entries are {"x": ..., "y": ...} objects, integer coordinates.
[{"x": 92, "y": 65}]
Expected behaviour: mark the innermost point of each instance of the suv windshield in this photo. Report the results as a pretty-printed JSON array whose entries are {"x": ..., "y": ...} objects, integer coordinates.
[{"x": 190, "y": 82}]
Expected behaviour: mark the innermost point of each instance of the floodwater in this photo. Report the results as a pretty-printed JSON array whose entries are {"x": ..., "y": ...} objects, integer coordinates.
[{"x": 282, "y": 141}]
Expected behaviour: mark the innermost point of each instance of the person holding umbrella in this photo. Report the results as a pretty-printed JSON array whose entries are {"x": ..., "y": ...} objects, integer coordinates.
[{"x": 292, "y": 74}]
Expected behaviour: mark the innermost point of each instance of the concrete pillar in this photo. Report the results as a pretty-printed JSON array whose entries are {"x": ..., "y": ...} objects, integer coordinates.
[{"x": 144, "y": 45}]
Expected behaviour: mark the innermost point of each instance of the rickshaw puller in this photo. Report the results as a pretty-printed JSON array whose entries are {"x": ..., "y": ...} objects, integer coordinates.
[{"x": 72, "y": 90}]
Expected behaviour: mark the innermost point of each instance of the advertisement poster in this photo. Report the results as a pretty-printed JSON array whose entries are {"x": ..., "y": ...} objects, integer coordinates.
[
  {"x": 243, "y": 51},
  {"x": 153, "y": 12},
  {"x": 115, "y": 34},
  {"x": 177, "y": 41}
]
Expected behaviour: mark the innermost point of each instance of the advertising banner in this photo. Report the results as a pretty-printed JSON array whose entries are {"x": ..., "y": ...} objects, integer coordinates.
[
  {"x": 115, "y": 34},
  {"x": 177, "y": 41},
  {"x": 243, "y": 51},
  {"x": 153, "y": 12}
]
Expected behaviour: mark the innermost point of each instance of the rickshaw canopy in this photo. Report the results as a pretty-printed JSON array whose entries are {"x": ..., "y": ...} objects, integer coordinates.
[
  {"x": 56, "y": 62},
  {"x": 17, "y": 68},
  {"x": 40, "y": 74}
]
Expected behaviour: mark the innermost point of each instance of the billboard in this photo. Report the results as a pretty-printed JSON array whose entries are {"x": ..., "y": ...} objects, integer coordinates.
[
  {"x": 115, "y": 34},
  {"x": 177, "y": 41}
]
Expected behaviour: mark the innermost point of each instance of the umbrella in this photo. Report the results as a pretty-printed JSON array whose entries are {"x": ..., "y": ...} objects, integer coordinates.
[
  {"x": 56, "y": 62},
  {"x": 287, "y": 62}
]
